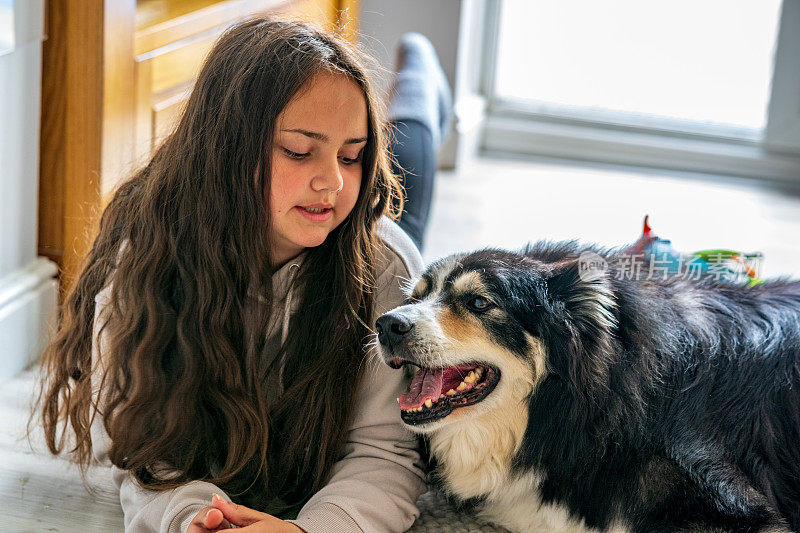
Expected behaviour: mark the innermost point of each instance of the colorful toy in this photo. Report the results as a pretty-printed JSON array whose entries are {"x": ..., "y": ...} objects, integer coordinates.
[{"x": 720, "y": 264}]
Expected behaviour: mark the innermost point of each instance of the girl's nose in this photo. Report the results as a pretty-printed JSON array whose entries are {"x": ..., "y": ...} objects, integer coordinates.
[{"x": 328, "y": 177}]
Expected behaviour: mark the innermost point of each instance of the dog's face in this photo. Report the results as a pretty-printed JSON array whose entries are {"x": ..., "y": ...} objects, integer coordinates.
[{"x": 477, "y": 328}]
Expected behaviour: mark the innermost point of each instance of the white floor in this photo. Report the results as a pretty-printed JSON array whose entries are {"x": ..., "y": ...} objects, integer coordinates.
[
  {"x": 45, "y": 493},
  {"x": 508, "y": 202}
]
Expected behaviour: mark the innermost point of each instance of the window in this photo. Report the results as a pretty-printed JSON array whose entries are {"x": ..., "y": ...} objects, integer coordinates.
[
  {"x": 707, "y": 62},
  {"x": 700, "y": 86}
]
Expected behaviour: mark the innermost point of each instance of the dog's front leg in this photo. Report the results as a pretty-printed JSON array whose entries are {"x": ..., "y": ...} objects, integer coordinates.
[{"x": 726, "y": 487}]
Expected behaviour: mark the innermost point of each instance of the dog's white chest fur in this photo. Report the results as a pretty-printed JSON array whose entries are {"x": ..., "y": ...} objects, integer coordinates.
[{"x": 475, "y": 460}]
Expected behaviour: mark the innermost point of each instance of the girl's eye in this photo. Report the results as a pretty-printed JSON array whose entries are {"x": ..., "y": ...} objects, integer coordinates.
[
  {"x": 294, "y": 155},
  {"x": 480, "y": 304},
  {"x": 350, "y": 161}
]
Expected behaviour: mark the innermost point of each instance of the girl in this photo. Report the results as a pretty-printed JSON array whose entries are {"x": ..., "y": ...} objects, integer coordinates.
[{"x": 215, "y": 339}]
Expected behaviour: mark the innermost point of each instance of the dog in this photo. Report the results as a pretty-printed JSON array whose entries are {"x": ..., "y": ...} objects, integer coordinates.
[{"x": 555, "y": 398}]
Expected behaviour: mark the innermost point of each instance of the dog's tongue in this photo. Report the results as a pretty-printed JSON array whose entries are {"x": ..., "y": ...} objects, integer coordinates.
[{"x": 427, "y": 383}]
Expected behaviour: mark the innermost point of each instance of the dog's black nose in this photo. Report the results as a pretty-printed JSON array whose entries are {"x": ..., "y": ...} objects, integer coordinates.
[{"x": 392, "y": 328}]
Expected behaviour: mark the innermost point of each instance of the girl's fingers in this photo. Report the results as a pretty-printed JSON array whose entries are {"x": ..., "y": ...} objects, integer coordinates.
[
  {"x": 264, "y": 526},
  {"x": 238, "y": 515},
  {"x": 214, "y": 519},
  {"x": 208, "y": 519},
  {"x": 252, "y": 528}
]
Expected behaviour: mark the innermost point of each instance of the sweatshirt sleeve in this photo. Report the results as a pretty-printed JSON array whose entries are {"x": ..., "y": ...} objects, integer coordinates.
[
  {"x": 145, "y": 511},
  {"x": 376, "y": 483}
]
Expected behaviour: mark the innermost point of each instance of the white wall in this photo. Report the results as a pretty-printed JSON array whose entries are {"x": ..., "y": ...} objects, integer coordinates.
[
  {"x": 27, "y": 288},
  {"x": 454, "y": 29},
  {"x": 383, "y": 22}
]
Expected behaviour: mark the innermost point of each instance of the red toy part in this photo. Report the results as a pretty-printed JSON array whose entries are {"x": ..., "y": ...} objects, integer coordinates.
[{"x": 647, "y": 238}]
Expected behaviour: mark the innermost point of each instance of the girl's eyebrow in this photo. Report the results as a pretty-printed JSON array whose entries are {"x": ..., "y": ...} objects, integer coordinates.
[{"x": 325, "y": 138}]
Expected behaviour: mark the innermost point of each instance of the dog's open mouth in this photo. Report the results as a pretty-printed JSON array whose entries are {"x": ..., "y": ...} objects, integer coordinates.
[{"x": 435, "y": 392}]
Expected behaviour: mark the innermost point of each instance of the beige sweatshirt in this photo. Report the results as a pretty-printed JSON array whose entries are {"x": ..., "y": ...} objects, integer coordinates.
[{"x": 378, "y": 476}]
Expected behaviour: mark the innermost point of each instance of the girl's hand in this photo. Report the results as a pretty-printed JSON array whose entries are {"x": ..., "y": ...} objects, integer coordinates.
[
  {"x": 208, "y": 519},
  {"x": 250, "y": 520}
]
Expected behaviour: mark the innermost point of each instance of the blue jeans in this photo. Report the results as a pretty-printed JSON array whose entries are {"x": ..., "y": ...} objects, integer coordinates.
[{"x": 415, "y": 162}]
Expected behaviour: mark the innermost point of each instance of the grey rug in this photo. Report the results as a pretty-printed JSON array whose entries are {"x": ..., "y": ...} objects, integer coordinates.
[{"x": 438, "y": 516}]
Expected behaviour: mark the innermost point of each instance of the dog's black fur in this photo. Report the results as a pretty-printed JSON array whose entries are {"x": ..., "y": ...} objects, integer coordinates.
[{"x": 681, "y": 413}]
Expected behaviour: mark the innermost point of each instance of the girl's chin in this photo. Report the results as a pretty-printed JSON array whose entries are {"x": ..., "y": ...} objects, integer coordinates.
[
  {"x": 312, "y": 243},
  {"x": 299, "y": 238},
  {"x": 310, "y": 239}
]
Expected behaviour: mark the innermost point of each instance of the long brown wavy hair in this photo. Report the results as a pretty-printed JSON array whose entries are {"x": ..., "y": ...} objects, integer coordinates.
[{"x": 180, "y": 384}]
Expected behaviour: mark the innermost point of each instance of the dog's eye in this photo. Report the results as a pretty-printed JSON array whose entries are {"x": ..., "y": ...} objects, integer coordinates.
[{"x": 479, "y": 304}]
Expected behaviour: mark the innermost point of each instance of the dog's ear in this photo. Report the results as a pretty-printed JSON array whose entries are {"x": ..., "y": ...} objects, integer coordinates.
[
  {"x": 583, "y": 320},
  {"x": 585, "y": 293}
]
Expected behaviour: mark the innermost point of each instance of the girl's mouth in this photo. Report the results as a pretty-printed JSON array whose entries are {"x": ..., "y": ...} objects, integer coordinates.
[{"x": 315, "y": 214}]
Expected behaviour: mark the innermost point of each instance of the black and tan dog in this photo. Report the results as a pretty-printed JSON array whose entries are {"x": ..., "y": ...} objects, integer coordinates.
[{"x": 557, "y": 401}]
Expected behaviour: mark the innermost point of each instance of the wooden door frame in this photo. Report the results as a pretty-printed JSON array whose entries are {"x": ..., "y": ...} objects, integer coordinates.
[{"x": 87, "y": 103}]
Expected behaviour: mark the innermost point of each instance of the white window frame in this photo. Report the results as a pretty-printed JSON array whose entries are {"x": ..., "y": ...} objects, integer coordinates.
[
  {"x": 626, "y": 139},
  {"x": 783, "y": 116}
]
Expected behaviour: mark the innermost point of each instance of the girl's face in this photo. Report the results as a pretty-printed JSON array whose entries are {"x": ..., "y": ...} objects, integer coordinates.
[{"x": 316, "y": 164}]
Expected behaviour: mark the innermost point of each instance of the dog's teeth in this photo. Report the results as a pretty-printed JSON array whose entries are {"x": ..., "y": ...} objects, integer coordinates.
[
  {"x": 461, "y": 386},
  {"x": 470, "y": 377},
  {"x": 441, "y": 396},
  {"x": 450, "y": 392},
  {"x": 479, "y": 371},
  {"x": 428, "y": 403}
]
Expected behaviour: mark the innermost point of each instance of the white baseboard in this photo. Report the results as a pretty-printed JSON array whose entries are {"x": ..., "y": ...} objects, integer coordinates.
[
  {"x": 568, "y": 139},
  {"x": 28, "y": 307}
]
